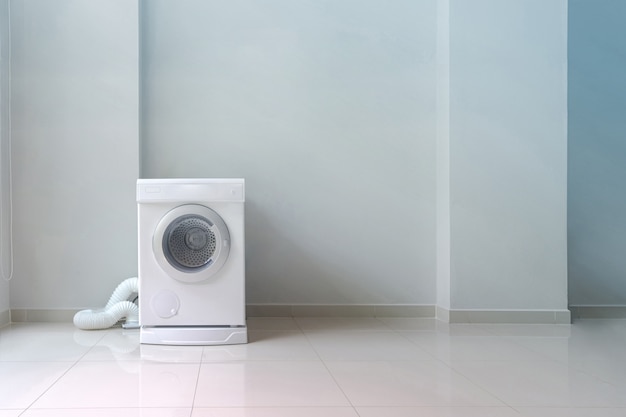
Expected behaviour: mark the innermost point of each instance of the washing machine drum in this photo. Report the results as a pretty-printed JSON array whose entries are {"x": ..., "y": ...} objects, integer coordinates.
[{"x": 191, "y": 243}]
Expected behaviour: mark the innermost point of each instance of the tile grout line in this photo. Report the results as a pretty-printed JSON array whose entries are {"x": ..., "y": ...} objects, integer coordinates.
[
  {"x": 399, "y": 333},
  {"x": 449, "y": 366},
  {"x": 195, "y": 391},
  {"x": 326, "y": 367},
  {"x": 54, "y": 383},
  {"x": 63, "y": 374}
]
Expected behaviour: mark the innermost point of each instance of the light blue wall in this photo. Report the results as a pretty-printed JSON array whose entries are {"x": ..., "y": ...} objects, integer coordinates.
[
  {"x": 597, "y": 152},
  {"x": 5, "y": 258},
  {"x": 508, "y": 154},
  {"x": 75, "y": 115},
  {"x": 327, "y": 108},
  {"x": 443, "y": 156}
]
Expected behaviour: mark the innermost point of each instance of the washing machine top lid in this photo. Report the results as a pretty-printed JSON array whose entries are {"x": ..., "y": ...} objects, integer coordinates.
[{"x": 190, "y": 189}]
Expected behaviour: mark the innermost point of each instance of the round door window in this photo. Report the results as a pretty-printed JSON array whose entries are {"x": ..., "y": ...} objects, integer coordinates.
[{"x": 191, "y": 243}]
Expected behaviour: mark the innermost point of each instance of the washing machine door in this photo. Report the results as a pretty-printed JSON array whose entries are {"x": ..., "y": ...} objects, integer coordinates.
[{"x": 191, "y": 243}]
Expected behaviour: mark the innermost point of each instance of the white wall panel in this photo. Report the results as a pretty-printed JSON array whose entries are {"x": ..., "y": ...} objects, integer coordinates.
[
  {"x": 328, "y": 110},
  {"x": 75, "y": 150},
  {"x": 5, "y": 225},
  {"x": 508, "y": 154}
]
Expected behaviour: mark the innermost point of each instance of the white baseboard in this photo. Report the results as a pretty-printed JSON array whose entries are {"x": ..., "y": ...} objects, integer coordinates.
[
  {"x": 5, "y": 318},
  {"x": 505, "y": 316},
  {"x": 417, "y": 311},
  {"x": 341, "y": 310},
  {"x": 366, "y": 310},
  {"x": 262, "y": 310},
  {"x": 42, "y": 316},
  {"x": 598, "y": 312}
]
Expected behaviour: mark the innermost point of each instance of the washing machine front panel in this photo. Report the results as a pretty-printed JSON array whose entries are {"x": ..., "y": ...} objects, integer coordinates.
[
  {"x": 191, "y": 243},
  {"x": 216, "y": 301}
]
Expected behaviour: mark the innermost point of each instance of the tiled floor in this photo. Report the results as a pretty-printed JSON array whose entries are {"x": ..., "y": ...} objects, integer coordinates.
[{"x": 310, "y": 367}]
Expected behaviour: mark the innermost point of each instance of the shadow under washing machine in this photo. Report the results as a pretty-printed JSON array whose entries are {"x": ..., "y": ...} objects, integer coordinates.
[{"x": 191, "y": 261}]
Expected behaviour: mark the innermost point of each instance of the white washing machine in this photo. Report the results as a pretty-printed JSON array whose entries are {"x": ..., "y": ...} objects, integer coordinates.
[{"x": 191, "y": 261}]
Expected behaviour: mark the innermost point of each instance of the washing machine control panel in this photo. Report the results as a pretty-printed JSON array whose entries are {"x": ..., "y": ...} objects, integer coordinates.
[{"x": 215, "y": 190}]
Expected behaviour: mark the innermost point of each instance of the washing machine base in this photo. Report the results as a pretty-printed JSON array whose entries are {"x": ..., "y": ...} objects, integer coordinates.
[{"x": 193, "y": 335}]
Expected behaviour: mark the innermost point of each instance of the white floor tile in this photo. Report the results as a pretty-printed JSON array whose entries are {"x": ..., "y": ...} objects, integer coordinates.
[
  {"x": 599, "y": 328},
  {"x": 437, "y": 412},
  {"x": 264, "y": 345},
  {"x": 613, "y": 372},
  {"x": 596, "y": 347},
  {"x": 365, "y": 346},
  {"x": 528, "y": 330},
  {"x": 458, "y": 329},
  {"x": 273, "y": 324},
  {"x": 45, "y": 343},
  {"x": 10, "y": 413},
  {"x": 123, "y": 384},
  {"x": 267, "y": 384},
  {"x": 108, "y": 412},
  {"x": 411, "y": 324},
  {"x": 333, "y": 367},
  {"x": 21, "y": 383},
  {"x": 275, "y": 412},
  {"x": 345, "y": 324},
  {"x": 116, "y": 345},
  {"x": 571, "y": 412},
  {"x": 541, "y": 384},
  {"x": 420, "y": 383},
  {"x": 551, "y": 348},
  {"x": 171, "y": 354},
  {"x": 483, "y": 348}
]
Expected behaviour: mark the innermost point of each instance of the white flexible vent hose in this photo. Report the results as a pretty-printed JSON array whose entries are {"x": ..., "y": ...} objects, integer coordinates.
[{"x": 116, "y": 309}]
